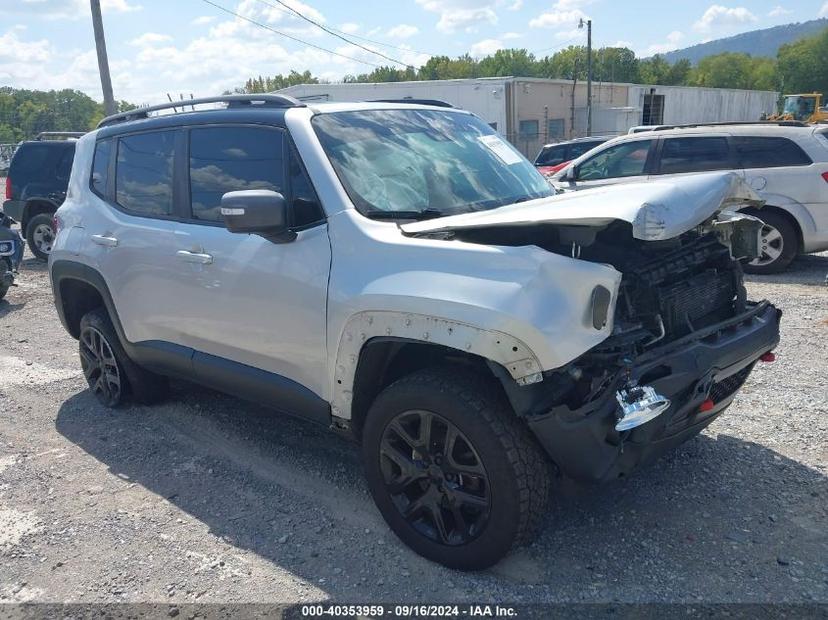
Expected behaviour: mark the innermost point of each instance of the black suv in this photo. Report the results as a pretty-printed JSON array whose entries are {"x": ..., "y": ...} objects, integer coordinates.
[{"x": 36, "y": 186}]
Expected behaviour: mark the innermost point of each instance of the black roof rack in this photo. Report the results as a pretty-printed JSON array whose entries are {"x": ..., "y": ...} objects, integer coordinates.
[
  {"x": 435, "y": 102},
  {"x": 730, "y": 123},
  {"x": 278, "y": 101},
  {"x": 51, "y": 135}
]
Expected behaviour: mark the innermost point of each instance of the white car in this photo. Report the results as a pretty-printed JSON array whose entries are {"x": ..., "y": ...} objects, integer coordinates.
[
  {"x": 402, "y": 275},
  {"x": 787, "y": 165}
]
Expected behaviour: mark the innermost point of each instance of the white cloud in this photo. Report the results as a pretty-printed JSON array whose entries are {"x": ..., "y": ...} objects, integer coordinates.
[
  {"x": 150, "y": 38},
  {"x": 779, "y": 11},
  {"x": 718, "y": 16},
  {"x": 506, "y": 36},
  {"x": 203, "y": 20},
  {"x": 349, "y": 27},
  {"x": 672, "y": 43},
  {"x": 464, "y": 15},
  {"x": 216, "y": 57},
  {"x": 403, "y": 31},
  {"x": 68, "y": 9},
  {"x": 13, "y": 49},
  {"x": 516, "y": 5},
  {"x": 486, "y": 47},
  {"x": 823, "y": 12},
  {"x": 563, "y": 14}
]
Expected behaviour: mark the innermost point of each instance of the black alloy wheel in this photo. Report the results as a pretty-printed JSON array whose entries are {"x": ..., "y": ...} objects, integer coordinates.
[
  {"x": 435, "y": 477},
  {"x": 100, "y": 367}
]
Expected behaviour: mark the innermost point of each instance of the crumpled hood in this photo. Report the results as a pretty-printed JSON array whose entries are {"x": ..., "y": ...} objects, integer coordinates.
[{"x": 657, "y": 210}]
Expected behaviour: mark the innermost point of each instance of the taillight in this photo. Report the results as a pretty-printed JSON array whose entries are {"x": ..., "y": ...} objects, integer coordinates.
[
  {"x": 9, "y": 188},
  {"x": 824, "y": 177}
]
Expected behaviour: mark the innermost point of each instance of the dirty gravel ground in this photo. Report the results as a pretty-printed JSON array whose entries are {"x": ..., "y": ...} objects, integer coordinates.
[{"x": 210, "y": 499}]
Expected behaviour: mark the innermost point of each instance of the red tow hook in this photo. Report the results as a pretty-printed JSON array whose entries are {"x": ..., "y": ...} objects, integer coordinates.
[
  {"x": 706, "y": 405},
  {"x": 770, "y": 356}
]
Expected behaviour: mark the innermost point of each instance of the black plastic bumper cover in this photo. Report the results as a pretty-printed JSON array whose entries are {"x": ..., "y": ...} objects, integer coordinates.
[{"x": 710, "y": 363}]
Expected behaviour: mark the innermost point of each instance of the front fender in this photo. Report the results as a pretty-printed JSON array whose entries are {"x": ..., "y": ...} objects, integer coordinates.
[{"x": 523, "y": 308}]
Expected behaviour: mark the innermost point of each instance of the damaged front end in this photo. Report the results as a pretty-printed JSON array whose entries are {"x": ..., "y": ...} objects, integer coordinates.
[
  {"x": 684, "y": 335},
  {"x": 685, "y": 339}
]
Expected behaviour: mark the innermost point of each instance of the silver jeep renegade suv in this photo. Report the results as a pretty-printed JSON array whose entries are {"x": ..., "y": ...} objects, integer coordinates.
[{"x": 401, "y": 274}]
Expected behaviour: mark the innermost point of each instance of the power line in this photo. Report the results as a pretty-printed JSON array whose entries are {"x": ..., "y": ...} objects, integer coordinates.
[
  {"x": 291, "y": 37},
  {"x": 332, "y": 32},
  {"x": 557, "y": 47},
  {"x": 357, "y": 36}
]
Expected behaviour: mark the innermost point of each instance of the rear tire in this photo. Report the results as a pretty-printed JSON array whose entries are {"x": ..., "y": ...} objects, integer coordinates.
[
  {"x": 468, "y": 490},
  {"x": 111, "y": 375},
  {"x": 40, "y": 235},
  {"x": 778, "y": 243}
]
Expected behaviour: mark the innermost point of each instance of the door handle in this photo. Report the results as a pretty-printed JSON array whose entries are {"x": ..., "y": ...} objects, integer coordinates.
[
  {"x": 194, "y": 257},
  {"x": 109, "y": 242}
]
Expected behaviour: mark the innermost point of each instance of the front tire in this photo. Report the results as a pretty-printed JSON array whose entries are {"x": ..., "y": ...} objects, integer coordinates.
[
  {"x": 454, "y": 472},
  {"x": 111, "y": 375},
  {"x": 40, "y": 235}
]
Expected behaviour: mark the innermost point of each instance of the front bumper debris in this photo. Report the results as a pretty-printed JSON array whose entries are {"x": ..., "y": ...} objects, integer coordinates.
[{"x": 708, "y": 365}]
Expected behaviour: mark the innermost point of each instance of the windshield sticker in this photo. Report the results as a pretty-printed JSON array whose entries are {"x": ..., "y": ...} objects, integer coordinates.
[{"x": 504, "y": 152}]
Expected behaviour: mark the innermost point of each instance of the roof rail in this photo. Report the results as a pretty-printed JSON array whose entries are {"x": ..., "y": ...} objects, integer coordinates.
[
  {"x": 48, "y": 135},
  {"x": 270, "y": 100},
  {"x": 730, "y": 123},
  {"x": 435, "y": 102}
]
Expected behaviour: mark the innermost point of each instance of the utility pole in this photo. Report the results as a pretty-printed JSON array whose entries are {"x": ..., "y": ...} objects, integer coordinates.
[
  {"x": 589, "y": 73},
  {"x": 103, "y": 62}
]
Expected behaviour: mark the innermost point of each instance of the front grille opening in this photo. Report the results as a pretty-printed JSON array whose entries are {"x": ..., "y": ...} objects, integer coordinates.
[{"x": 726, "y": 388}]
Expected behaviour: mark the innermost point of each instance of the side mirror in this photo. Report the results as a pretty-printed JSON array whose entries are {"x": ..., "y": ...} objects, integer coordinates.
[
  {"x": 259, "y": 212},
  {"x": 570, "y": 175}
]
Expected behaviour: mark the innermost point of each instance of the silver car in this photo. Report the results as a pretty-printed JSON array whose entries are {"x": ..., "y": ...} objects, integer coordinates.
[{"x": 402, "y": 275}]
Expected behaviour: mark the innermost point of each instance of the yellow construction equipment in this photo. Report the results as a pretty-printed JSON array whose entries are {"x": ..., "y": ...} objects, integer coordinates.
[{"x": 803, "y": 107}]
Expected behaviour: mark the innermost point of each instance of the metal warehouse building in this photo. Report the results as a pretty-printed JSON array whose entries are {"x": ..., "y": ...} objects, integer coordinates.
[{"x": 531, "y": 112}]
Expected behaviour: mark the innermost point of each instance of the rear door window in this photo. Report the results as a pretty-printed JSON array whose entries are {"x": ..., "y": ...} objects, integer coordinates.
[
  {"x": 628, "y": 159},
  {"x": 144, "y": 173},
  {"x": 769, "y": 152},
  {"x": 695, "y": 154},
  {"x": 228, "y": 159}
]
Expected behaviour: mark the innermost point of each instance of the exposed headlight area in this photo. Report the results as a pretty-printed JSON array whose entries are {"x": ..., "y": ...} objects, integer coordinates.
[{"x": 601, "y": 298}]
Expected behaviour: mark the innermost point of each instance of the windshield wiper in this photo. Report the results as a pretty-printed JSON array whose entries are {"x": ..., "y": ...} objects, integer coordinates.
[{"x": 425, "y": 214}]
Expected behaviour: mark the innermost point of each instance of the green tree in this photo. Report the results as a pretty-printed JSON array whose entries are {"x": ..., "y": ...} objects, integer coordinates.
[
  {"x": 517, "y": 62},
  {"x": 803, "y": 65}
]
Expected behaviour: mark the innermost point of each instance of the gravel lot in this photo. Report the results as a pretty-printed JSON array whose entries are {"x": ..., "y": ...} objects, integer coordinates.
[{"x": 210, "y": 499}]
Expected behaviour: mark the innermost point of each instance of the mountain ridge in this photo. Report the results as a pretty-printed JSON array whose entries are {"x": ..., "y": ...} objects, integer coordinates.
[{"x": 764, "y": 42}]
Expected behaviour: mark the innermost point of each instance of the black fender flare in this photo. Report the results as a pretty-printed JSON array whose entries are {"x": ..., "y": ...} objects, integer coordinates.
[{"x": 63, "y": 270}]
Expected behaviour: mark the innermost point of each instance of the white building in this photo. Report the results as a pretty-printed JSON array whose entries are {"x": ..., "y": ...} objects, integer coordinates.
[{"x": 533, "y": 111}]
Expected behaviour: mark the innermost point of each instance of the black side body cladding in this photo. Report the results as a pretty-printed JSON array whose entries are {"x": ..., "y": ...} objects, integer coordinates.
[{"x": 182, "y": 362}]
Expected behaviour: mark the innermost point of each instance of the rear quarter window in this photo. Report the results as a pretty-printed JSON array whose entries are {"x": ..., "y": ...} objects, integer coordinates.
[
  {"x": 769, "y": 152},
  {"x": 100, "y": 167},
  {"x": 29, "y": 160}
]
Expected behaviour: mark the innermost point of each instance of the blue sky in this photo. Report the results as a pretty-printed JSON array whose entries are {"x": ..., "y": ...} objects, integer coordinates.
[{"x": 189, "y": 46}]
